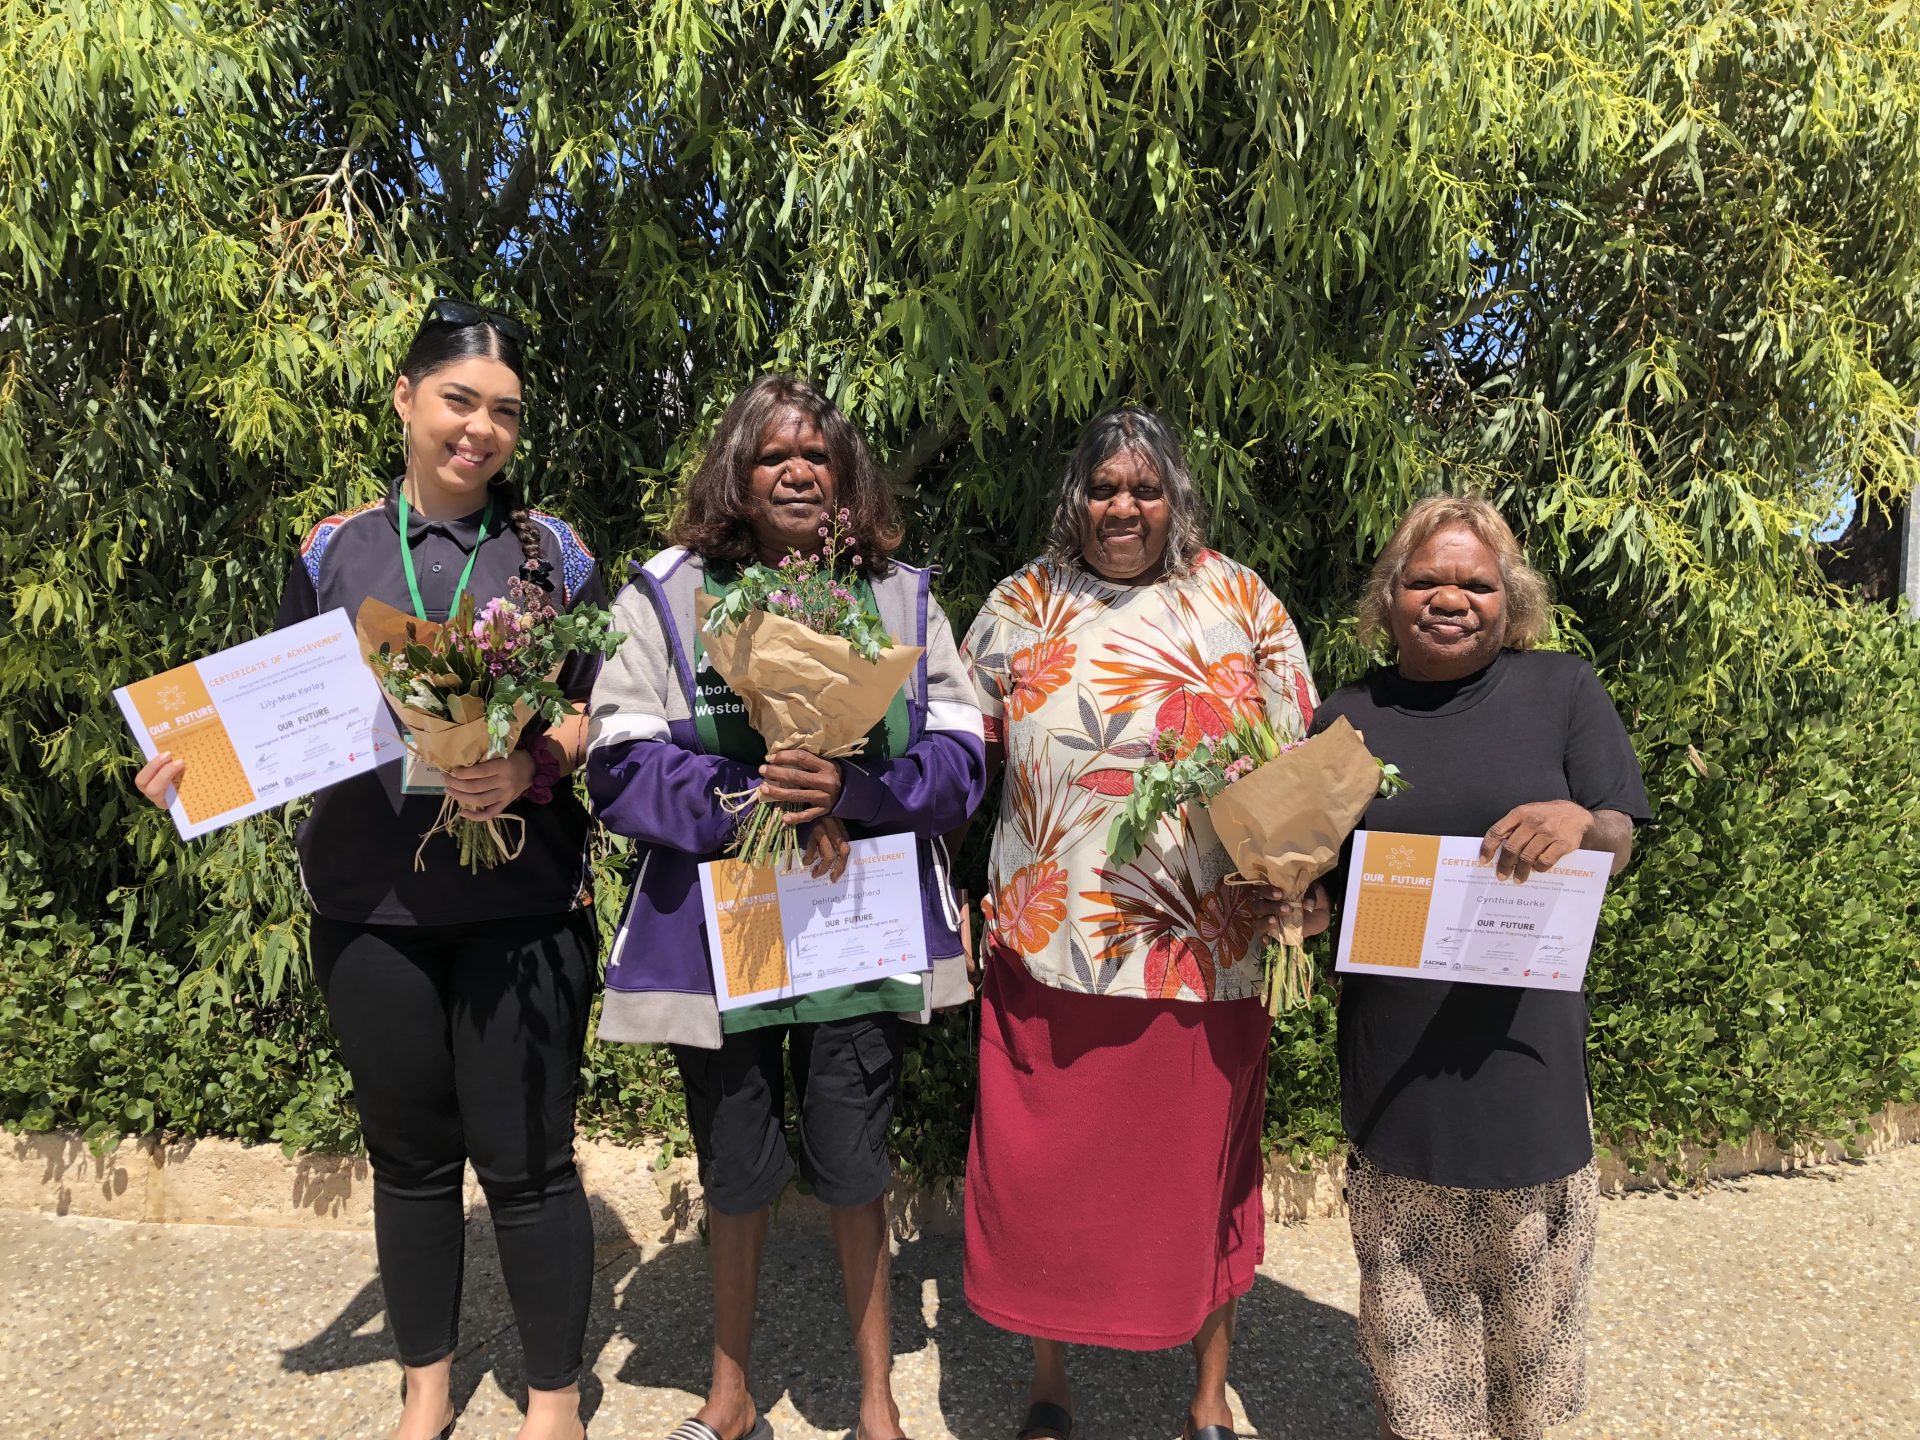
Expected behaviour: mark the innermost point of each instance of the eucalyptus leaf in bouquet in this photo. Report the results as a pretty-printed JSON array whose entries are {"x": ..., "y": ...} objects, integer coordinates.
[{"x": 1282, "y": 811}]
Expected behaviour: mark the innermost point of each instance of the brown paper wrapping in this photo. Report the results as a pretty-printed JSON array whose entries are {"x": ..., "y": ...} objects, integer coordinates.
[
  {"x": 444, "y": 744},
  {"x": 1285, "y": 823},
  {"x": 804, "y": 690}
]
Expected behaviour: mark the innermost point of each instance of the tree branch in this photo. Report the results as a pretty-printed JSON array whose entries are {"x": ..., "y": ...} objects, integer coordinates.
[
  {"x": 925, "y": 443},
  {"x": 508, "y": 205}
]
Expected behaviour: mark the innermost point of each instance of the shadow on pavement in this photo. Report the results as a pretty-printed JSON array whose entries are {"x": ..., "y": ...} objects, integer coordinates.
[{"x": 1295, "y": 1366}]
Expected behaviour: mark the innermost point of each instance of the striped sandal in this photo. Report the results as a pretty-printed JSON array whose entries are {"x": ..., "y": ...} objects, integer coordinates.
[{"x": 700, "y": 1430}]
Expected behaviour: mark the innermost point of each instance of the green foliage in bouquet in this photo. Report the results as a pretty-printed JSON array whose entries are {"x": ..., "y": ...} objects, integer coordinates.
[
  {"x": 495, "y": 661},
  {"x": 1174, "y": 779}
]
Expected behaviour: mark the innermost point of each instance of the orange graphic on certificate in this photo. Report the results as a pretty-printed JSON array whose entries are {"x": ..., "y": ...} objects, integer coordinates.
[
  {"x": 180, "y": 718},
  {"x": 1396, "y": 892},
  {"x": 749, "y": 939}
]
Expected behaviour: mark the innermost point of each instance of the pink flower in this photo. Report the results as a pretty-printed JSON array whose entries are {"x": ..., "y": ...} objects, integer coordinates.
[
  {"x": 1166, "y": 744},
  {"x": 1240, "y": 769}
]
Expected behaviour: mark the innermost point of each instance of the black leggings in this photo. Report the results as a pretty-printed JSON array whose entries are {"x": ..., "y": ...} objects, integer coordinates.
[{"x": 464, "y": 1042}]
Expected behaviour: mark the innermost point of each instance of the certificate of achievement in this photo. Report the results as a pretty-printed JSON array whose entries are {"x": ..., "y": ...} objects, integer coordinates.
[
  {"x": 265, "y": 722},
  {"x": 1425, "y": 907},
  {"x": 772, "y": 936}
]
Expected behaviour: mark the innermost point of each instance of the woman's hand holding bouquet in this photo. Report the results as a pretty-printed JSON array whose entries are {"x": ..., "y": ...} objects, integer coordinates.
[
  {"x": 466, "y": 689},
  {"x": 1283, "y": 812}
]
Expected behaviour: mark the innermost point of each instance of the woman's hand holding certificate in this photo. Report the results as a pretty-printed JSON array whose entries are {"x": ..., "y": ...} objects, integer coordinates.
[
  {"x": 1438, "y": 907},
  {"x": 258, "y": 725},
  {"x": 774, "y": 933}
]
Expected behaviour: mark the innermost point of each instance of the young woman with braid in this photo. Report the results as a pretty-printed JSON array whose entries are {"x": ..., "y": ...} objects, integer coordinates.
[{"x": 460, "y": 1000}]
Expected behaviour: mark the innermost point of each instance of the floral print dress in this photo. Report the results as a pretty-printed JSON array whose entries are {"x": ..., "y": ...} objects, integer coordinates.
[{"x": 1077, "y": 677}]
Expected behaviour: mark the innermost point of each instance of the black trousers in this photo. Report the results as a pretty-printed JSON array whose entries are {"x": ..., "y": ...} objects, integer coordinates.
[{"x": 464, "y": 1043}]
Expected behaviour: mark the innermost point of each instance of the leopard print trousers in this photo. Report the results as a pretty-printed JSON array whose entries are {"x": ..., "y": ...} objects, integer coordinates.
[{"x": 1473, "y": 1303}]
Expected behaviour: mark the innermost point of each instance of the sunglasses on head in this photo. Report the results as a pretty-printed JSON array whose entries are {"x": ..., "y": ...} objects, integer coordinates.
[{"x": 460, "y": 315}]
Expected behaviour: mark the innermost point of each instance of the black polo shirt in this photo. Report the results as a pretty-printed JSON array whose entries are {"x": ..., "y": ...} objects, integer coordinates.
[
  {"x": 357, "y": 847},
  {"x": 1477, "y": 1086}
]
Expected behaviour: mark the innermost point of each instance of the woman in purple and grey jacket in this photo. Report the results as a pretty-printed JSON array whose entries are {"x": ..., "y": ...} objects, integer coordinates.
[{"x": 669, "y": 737}]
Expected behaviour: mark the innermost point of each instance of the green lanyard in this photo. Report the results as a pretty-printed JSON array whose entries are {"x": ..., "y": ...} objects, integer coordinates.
[{"x": 406, "y": 558}]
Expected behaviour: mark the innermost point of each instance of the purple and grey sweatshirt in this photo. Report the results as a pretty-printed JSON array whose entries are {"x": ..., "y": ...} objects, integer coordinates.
[{"x": 649, "y": 779}]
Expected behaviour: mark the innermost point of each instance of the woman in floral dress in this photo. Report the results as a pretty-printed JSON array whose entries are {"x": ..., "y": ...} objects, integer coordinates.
[{"x": 1114, "y": 1179}]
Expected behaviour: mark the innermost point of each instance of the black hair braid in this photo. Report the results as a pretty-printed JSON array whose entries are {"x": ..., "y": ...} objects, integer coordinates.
[{"x": 535, "y": 567}]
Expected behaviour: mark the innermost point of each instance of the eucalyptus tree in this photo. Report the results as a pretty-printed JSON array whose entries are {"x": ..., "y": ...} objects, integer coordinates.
[{"x": 1642, "y": 271}]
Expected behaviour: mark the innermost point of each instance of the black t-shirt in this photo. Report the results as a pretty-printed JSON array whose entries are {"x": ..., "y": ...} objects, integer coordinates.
[
  {"x": 357, "y": 847},
  {"x": 1477, "y": 1086}
]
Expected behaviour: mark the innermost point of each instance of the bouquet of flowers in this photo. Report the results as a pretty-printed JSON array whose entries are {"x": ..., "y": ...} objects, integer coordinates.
[
  {"x": 1282, "y": 811},
  {"x": 816, "y": 671},
  {"x": 465, "y": 689}
]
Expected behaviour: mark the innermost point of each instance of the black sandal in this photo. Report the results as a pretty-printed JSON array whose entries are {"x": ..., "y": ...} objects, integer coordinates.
[
  {"x": 1212, "y": 1432},
  {"x": 1045, "y": 1415}
]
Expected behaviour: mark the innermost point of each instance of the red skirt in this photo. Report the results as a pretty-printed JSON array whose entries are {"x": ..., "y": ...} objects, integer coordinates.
[{"x": 1113, "y": 1191}]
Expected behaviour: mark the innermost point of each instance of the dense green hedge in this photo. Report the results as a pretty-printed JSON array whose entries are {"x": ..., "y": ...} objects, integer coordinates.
[
  {"x": 1760, "y": 970},
  {"x": 1653, "y": 286}
]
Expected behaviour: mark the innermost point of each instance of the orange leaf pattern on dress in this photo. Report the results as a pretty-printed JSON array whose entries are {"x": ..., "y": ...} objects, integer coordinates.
[
  {"x": 1046, "y": 601},
  {"x": 1173, "y": 962},
  {"x": 1046, "y": 814},
  {"x": 1144, "y": 671},
  {"x": 1303, "y": 698},
  {"x": 1139, "y": 907},
  {"x": 1252, "y": 609},
  {"x": 1193, "y": 718},
  {"x": 1232, "y": 680},
  {"x": 1030, "y": 907},
  {"x": 1273, "y": 642},
  {"x": 1226, "y": 922},
  {"x": 1035, "y": 673},
  {"x": 1109, "y": 781}
]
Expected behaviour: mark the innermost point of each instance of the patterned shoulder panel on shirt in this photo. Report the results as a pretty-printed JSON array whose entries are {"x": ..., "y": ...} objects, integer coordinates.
[
  {"x": 313, "y": 549},
  {"x": 576, "y": 561}
]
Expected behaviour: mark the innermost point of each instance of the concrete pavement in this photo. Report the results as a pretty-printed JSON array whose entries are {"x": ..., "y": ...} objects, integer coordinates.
[{"x": 1771, "y": 1306}]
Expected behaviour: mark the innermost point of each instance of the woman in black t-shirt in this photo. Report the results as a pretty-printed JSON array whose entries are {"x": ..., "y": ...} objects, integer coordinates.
[
  {"x": 460, "y": 1000},
  {"x": 1471, "y": 1184}
]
